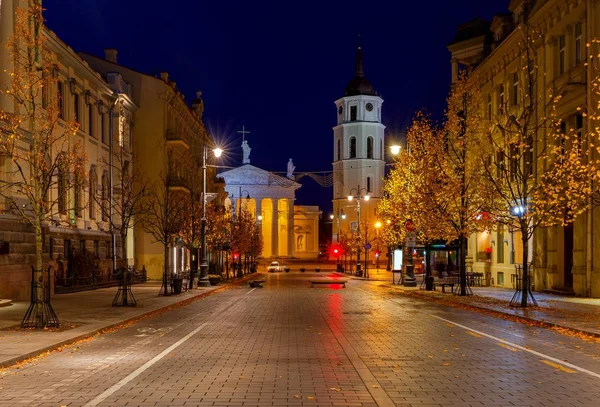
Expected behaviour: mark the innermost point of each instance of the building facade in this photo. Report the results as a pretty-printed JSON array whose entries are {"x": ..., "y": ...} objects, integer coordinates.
[
  {"x": 169, "y": 136},
  {"x": 562, "y": 257},
  {"x": 78, "y": 223},
  {"x": 358, "y": 152}
]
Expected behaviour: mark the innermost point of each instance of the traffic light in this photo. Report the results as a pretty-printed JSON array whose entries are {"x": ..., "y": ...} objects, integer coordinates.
[
  {"x": 236, "y": 255},
  {"x": 377, "y": 253},
  {"x": 336, "y": 250}
]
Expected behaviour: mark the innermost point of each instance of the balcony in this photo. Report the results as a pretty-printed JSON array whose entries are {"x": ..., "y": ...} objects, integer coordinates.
[
  {"x": 180, "y": 183},
  {"x": 177, "y": 138}
]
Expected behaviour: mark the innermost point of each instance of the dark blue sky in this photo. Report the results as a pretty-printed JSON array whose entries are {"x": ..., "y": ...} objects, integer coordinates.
[{"x": 277, "y": 66}]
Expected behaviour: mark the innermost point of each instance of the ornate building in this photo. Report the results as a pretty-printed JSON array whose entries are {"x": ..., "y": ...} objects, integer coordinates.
[
  {"x": 562, "y": 257},
  {"x": 78, "y": 222},
  {"x": 358, "y": 151}
]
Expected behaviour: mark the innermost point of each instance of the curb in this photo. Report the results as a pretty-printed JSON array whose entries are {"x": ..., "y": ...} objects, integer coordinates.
[
  {"x": 545, "y": 324},
  {"x": 47, "y": 349}
]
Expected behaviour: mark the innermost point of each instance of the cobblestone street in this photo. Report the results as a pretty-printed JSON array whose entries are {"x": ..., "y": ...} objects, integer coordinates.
[{"x": 290, "y": 345}]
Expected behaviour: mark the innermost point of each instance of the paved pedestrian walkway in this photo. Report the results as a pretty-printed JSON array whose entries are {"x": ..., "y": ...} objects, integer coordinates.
[
  {"x": 81, "y": 314},
  {"x": 574, "y": 313}
]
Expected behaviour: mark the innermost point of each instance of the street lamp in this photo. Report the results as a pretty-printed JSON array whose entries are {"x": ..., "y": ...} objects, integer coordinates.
[
  {"x": 358, "y": 191},
  {"x": 203, "y": 280},
  {"x": 395, "y": 149}
]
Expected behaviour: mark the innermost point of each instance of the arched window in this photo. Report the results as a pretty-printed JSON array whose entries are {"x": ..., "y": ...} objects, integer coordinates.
[
  {"x": 368, "y": 184},
  {"x": 352, "y": 147},
  {"x": 92, "y": 192},
  {"x": 105, "y": 196},
  {"x": 339, "y": 150},
  {"x": 370, "y": 147}
]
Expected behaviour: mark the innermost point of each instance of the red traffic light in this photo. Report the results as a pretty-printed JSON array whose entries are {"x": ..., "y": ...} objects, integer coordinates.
[
  {"x": 235, "y": 255},
  {"x": 336, "y": 250},
  {"x": 377, "y": 253}
]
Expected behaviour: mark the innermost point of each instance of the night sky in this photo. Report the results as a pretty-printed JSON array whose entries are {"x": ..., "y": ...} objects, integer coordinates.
[{"x": 277, "y": 66}]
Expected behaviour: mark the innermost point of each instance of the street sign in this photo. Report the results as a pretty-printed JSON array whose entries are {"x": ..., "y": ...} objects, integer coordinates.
[
  {"x": 368, "y": 246},
  {"x": 409, "y": 226},
  {"x": 411, "y": 239}
]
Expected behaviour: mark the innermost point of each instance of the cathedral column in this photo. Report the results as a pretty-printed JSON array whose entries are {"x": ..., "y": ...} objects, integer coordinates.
[
  {"x": 259, "y": 218},
  {"x": 290, "y": 225},
  {"x": 274, "y": 228},
  {"x": 454, "y": 69}
]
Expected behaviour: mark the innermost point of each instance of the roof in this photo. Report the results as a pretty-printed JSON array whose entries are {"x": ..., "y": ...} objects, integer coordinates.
[
  {"x": 473, "y": 29},
  {"x": 359, "y": 85},
  {"x": 253, "y": 176}
]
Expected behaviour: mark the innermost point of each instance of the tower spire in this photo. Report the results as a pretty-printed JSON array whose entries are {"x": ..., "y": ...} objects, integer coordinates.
[{"x": 359, "y": 64}]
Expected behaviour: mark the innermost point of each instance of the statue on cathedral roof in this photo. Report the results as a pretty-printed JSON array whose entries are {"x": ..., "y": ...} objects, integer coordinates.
[
  {"x": 246, "y": 152},
  {"x": 290, "y": 169}
]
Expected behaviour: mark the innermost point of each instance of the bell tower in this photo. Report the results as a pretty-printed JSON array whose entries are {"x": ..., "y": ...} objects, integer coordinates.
[{"x": 358, "y": 151}]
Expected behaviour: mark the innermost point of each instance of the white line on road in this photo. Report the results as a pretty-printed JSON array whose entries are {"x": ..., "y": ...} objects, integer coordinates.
[
  {"x": 533, "y": 352},
  {"x": 514, "y": 345},
  {"x": 250, "y": 291},
  {"x": 110, "y": 391}
]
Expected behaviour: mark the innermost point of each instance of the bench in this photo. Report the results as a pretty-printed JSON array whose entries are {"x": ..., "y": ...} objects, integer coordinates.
[
  {"x": 325, "y": 281},
  {"x": 256, "y": 283},
  {"x": 446, "y": 282}
]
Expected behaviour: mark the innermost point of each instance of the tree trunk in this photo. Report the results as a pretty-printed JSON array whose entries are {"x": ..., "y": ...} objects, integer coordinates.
[
  {"x": 165, "y": 270},
  {"x": 462, "y": 264},
  {"x": 41, "y": 316},
  {"x": 525, "y": 280}
]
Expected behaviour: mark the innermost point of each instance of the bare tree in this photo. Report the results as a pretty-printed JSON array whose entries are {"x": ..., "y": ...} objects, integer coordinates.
[
  {"x": 166, "y": 214},
  {"x": 36, "y": 139}
]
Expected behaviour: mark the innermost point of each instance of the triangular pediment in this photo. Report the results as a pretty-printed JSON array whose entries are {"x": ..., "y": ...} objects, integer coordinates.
[{"x": 250, "y": 175}]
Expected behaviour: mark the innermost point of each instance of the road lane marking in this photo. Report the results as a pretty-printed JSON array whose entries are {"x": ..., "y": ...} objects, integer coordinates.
[
  {"x": 474, "y": 334},
  {"x": 514, "y": 345},
  {"x": 111, "y": 390},
  {"x": 557, "y": 366},
  {"x": 505, "y": 346},
  {"x": 250, "y": 291}
]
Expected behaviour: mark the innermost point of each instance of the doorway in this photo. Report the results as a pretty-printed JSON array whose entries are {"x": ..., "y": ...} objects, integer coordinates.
[{"x": 568, "y": 255}]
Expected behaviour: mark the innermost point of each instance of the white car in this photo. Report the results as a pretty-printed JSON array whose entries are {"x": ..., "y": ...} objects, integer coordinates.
[{"x": 274, "y": 267}]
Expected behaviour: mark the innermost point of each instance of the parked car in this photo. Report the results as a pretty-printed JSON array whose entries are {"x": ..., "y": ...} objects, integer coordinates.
[{"x": 274, "y": 267}]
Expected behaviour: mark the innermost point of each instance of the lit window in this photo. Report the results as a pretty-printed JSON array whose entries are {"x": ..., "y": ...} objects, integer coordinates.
[{"x": 501, "y": 98}]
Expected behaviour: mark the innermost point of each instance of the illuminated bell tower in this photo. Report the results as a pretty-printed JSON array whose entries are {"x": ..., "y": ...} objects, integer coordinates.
[{"x": 358, "y": 151}]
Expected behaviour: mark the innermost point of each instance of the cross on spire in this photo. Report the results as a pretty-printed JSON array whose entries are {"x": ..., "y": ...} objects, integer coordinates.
[{"x": 243, "y": 132}]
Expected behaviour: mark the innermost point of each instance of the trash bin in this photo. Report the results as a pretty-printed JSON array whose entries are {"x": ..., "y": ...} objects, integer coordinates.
[
  {"x": 429, "y": 283},
  {"x": 177, "y": 283}
]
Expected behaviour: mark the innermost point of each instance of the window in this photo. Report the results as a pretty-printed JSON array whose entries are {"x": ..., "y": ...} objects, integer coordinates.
[
  {"x": 500, "y": 245},
  {"x": 578, "y": 131},
  {"x": 77, "y": 196},
  {"x": 489, "y": 106},
  {"x": 501, "y": 98},
  {"x": 514, "y": 161},
  {"x": 353, "y": 110},
  {"x": 103, "y": 127},
  {"x": 561, "y": 55},
  {"x": 62, "y": 186},
  {"x": 92, "y": 193},
  {"x": 59, "y": 95},
  {"x": 339, "y": 150},
  {"x": 76, "y": 115},
  {"x": 90, "y": 120},
  {"x": 105, "y": 196},
  {"x": 499, "y": 164},
  {"x": 352, "y": 147},
  {"x": 368, "y": 185},
  {"x": 370, "y": 147},
  {"x": 562, "y": 141},
  {"x": 578, "y": 35},
  {"x": 515, "y": 92}
]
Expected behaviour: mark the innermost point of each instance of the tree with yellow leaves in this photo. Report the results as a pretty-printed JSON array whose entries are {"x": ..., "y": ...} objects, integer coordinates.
[
  {"x": 538, "y": 172},
  {"x": 38, "y": 143}
]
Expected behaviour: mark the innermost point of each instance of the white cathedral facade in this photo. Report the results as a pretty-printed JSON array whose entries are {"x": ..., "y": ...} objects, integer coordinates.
[{"x": 358, "y": 153}]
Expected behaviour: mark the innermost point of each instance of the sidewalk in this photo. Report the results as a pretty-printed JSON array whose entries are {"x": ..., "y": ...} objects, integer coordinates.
[
  {"x": 573, "y": 313},
  {"x": 81, "y": 314}
]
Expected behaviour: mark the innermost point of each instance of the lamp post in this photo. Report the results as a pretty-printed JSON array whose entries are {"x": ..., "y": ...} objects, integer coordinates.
[
  {"x": 377, "y": 226},
  {"x": 203, "y": 280},
  {"x": 338, "y": 214},
  {"x": 358, "y": 191}
]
